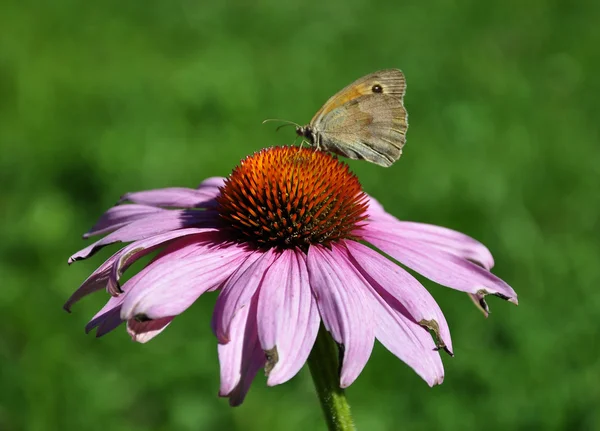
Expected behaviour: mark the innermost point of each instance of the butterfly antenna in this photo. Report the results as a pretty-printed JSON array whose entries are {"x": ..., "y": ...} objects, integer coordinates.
[{"x": 286, "y": 123}]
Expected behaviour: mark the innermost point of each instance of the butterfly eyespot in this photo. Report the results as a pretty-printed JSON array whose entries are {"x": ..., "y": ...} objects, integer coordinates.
[{"x": 377, "y": 88}]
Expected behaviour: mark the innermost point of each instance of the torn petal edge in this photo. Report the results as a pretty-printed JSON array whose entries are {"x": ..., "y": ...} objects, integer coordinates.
[
  {"x": 478, "y": 299},
  {"x": 433, "y": 326}
]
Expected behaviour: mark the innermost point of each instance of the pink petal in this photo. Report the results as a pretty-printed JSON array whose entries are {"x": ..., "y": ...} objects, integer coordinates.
[
  {"x": 95, "y": 282},
  {"x": 108, "y": 274},
  {"x": 134, "y": 251},
  {"x": 408, "y": 296},
  {"x": 107, "y": 314},
  {"x": 230, "y": 353},
  {"x": 241, "y": 357},
  {"x": 441, "y": 238},
  {"x": 154, "y": 224},
  {"x": 109, "y": 318},
  {"x": 440, "y": 266},
  {"x": 342, "y": 298},
  {"x": 110, "y": 321},
  {"x": 444, "y": 239},
  {"x": 288, "y": 318},
  {"x": 376, "y": 211},
  {"x": 175, "y": 197},
  {"x": 144, "y": 331},
  {"x": 212, "y": 185},
  {"x": 120, "y": 216},
  {"x": 238, "y": 290},
  {"x": 408, "y": 341},
  {"x": 171, "y": 283}
]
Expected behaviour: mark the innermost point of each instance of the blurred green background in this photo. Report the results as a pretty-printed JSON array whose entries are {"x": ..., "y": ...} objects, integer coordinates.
[{"x": 101, "y": 98}]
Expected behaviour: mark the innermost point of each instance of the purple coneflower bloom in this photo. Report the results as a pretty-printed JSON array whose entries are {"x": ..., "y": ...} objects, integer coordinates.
[{"x": 289, "y": 242}]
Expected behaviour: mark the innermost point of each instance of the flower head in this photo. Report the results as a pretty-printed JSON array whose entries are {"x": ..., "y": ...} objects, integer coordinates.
[{"x": 288, "y": 240}]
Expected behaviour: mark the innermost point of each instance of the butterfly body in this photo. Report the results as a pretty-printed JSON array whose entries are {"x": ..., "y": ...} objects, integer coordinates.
[{"x": 365, "y": 121}]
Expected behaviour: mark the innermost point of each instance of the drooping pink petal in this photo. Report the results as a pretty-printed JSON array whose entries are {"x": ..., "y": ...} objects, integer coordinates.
[
  {"x": 230, "y": 353},
  {"x": 241, "y": 357},
  {"x": 408, "y": 341},
  {"x": 109, "y": 318},
  {"x": 144, "y": 331},
  {"x": 108, "y": 274},
  {"x": 447, "y": 240},
  {"x": 174, "y": 197},
  {"x": 440, "y": 266},
  {"x": 108, "y": 314},
  {"x": 119, "y": 216},
  {"x": 172, "y": 282},
  {"x": 110, "y": 321},
  {"x": 342, "y": 298},
  {"x": 444, "y": 239},
  {"x": 151, "y": 225},
  {"x": 439, "y": 237},
  {"x": 250, "y": 366},
  {"x": 238, "y": 290},
  {"x": 288, "y": 318},
  {"x": 95, "y": 282},
  {"x": 134, "y": 251},
  {"x": 408, "y": 296}
]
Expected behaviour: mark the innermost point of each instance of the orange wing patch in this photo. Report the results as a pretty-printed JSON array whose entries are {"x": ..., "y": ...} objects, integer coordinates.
[{"x": 344, "y": 96}]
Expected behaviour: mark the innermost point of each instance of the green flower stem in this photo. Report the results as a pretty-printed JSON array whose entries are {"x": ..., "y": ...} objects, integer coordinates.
[{"x": 324, "y": 368}]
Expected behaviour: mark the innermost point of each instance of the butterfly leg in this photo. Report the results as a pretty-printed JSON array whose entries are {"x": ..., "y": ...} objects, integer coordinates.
[
  {"x": 317, "y": 142},
  {"x": 301, "y": 143}
]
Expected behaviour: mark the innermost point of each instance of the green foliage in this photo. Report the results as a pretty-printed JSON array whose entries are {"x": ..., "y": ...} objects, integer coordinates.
[{"x": 101, "y": 98}]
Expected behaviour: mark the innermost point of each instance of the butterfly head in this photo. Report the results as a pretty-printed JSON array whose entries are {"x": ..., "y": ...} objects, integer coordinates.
[{"x": 307, "y": 132}]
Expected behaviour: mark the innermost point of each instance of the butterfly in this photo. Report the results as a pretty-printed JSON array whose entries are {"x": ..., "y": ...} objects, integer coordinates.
[{"x": 364, "y": 121}]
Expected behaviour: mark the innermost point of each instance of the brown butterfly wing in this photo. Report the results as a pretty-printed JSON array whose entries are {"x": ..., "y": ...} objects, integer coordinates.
[
  {"x": 371, "y": 127},
  {"x": 392, "y": 82},
  {"x": 366, "y": 120}
]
